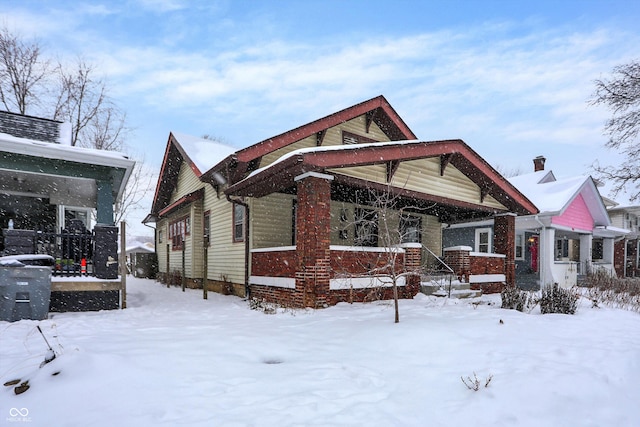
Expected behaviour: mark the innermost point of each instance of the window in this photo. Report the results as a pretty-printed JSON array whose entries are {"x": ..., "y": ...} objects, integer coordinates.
[
  {"x": 238, "y": 222},
  {"x": 519, "y": 246},
  {"x": 294, "y": 214},
  {"x": 160, "y": 236},
  {"x": 366, "y": 227},
  {"x": 483, "y": 240},
  {"x": 410, "y": 229},
  {"x": 562, "y": 248},
  {"x": 178, "y": 229},
  {"x": 343, "y": 232},
  {"x": 206, "y": 228},
  {"x": 597, "y": 249}
]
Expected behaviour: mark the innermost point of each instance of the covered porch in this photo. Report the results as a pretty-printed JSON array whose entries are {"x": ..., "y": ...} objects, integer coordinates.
[
  {"x": 58, "y": 200},
  {"x": 556, "y": 254},
  {"x": 377, "y": 200}
]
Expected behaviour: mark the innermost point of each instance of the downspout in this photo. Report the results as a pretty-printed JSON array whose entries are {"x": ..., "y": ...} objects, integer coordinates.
[
  {"x": 542, "y": 252},
  {"x": 155, "y": 247},
  {"x": 247, "y": 289}
]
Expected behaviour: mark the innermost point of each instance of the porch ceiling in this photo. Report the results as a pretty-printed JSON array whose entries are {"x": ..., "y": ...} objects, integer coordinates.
[{"x": 80, "y": 192}]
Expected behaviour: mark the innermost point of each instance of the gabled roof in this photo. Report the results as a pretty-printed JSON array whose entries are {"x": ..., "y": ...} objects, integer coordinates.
[
  {"x": 281, "y": 174},
  {"x": 553, "y": 197},
  {"x": 200, "y": 154},
  {"x": 209, "y": 160},
  {"x": 377, "y": 110}
]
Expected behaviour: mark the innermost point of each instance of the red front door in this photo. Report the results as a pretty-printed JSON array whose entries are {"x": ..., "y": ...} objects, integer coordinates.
[{"x": 533, "y": 247}]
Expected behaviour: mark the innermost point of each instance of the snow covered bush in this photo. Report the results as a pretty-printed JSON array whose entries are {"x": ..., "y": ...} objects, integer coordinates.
[
  {"x": 262, "y": 305},
  {"x": 555, "y": 299},
  {"x": 517, "y": 299}
]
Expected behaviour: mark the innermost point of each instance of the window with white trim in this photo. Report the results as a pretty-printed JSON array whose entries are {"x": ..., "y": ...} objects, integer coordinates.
[
  {"x": 238, "y": 222},
  {"x": 519, "y": 246},
  {"x": 483, "y": 240}
]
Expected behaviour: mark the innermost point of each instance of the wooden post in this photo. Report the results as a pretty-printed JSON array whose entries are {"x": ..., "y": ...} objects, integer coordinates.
[
  {"x": 168, "y": 274},
  {"x": 205, "y": 253},
  {"x": 183, "y": 265},
  {"x": 123, "y": 263}
]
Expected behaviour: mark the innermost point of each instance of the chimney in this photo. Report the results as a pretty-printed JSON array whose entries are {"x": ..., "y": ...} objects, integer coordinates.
[{"x": 538, "y": 163}]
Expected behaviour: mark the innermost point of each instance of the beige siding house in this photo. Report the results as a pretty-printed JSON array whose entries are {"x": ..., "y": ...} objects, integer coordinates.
[{"x": 279, "y": 219}]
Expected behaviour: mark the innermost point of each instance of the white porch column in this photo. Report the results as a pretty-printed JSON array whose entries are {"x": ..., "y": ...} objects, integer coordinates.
[
  {"x": 607, "y": 250},
  {"x": 586, "y": 249},
  {"x": 547, "y": 255}
]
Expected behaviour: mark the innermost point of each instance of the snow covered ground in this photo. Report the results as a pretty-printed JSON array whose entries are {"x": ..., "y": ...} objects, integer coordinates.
[{"x": 173, "y": 359}]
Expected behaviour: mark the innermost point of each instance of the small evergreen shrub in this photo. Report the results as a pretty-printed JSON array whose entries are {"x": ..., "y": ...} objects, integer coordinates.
[
  {"x": 517, "y": 299},
  {"x": 555, "y": 299}
]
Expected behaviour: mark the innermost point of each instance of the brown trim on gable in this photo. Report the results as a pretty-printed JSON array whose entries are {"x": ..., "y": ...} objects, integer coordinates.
[
  {"x": 182, "y": 202},
  {"x": 389, "y": 122}
]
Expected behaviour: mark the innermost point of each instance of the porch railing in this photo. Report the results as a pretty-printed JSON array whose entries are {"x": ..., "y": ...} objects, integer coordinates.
[{"x": 74, "y": 253}]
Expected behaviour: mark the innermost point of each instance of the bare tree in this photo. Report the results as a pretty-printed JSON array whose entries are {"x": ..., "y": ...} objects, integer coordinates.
[
  {"x": 139, "y": 185},
  {"x": 71, "y": 93},
  {"x": 621, "y": 94},
  {"x": 23, "y": 73},
  {"x": 82, "y": 100},
  {"x": 386, "y": 222}
]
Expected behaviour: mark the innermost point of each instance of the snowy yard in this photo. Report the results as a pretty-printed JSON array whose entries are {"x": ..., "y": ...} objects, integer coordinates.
[{"x": 173, "y": 358}]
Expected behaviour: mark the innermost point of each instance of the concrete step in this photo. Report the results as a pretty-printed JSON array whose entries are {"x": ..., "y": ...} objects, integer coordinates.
[{"x": 458, "y": 290}]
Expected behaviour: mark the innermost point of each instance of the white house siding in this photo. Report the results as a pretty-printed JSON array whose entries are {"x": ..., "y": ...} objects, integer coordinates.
[
  {"x": 332, "y": 137},
  {"x": 187, "y": 183},
  {"x": 226, "y": 257},
  {"x": 195, "y": 268},
  {"x": 272, "y": 221},
  {"x": 161, "y": 247},
  {"x": 424, "y": 176}
]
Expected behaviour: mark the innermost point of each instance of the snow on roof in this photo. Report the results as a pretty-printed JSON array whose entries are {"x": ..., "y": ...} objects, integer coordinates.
[
  {"x": 12, "y": 144},
  {"x": 550, "y": 196},
  {"x": 204, "y": 153},
  {"x": 140, "y": 247},
  {"x": 333, "y": 148}
]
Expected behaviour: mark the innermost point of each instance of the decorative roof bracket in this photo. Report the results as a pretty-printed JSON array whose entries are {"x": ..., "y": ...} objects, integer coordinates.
[
  {"x": 392, "y": 167},
  {"x": 444, "y": 161}
]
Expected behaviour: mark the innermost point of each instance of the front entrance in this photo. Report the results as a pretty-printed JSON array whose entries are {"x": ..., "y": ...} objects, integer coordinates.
[{"x": 533, "y": 250}]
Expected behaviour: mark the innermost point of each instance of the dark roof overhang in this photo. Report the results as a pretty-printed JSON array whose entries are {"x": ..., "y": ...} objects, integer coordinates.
[{"x": 280, "y": 175}]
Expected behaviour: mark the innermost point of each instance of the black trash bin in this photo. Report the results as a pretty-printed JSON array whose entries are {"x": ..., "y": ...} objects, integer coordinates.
[
  {"x": 25, "y": 290},
  {"x": 105, "y": 252}
]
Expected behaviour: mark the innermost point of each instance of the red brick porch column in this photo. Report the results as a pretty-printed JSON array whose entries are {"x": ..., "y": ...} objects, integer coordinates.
[
  {"x": 504, "y": 240},
  {"x": 313, "y": 239},
  {"x": 413, "y": 264},
  {"x": 457, "y": 258}
]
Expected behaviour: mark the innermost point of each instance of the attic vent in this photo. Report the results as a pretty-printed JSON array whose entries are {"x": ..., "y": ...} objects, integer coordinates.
[{"x": 349, "y": 138}]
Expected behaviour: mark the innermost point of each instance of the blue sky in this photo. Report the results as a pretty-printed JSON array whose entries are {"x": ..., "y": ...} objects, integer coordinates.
[{"x": 510, "y": 78}]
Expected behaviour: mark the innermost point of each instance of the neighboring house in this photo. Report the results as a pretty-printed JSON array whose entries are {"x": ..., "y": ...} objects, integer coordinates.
[
  {"x": 571, "y": 235},
  {"x": 627, "y": 249},
  {"x": 142, "y": 260},
  {"x": 283, "y": 219},
  {"x": 50, "y": 194}
]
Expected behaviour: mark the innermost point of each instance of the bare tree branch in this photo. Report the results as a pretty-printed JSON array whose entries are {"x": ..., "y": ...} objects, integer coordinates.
[
  {"x": 621, "y": 94},
  {"x": 23, "y": 74}
]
